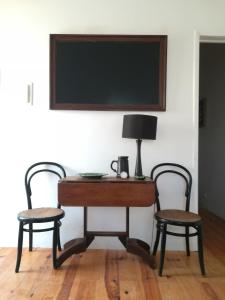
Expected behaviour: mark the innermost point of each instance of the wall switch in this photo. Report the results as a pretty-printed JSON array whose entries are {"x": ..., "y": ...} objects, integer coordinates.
[{"x": 30, "y": 93}]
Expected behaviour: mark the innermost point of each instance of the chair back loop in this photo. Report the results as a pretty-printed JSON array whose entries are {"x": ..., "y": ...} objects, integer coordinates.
[
  {"x": 41, "y": 167},
  {"x": 165, "y": 168}
]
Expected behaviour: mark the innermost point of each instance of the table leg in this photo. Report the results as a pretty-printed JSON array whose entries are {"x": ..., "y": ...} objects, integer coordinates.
[
  {"x": 77, "y": 245},
  {"x": 142, "y": 249},
  {"x": 137, "y": 246},
  {"x": 132, "y": 245}
]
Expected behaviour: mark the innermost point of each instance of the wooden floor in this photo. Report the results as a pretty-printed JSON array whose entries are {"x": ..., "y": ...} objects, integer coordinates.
[{"x": 117, "y": 275}]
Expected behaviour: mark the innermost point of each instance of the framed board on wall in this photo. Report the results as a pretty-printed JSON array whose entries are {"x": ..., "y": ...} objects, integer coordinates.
[{"x": 108, "y": 72}]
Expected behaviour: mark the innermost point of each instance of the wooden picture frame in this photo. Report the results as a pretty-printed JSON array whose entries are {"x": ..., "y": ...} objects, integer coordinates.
[{"x": 108, "y": 72}]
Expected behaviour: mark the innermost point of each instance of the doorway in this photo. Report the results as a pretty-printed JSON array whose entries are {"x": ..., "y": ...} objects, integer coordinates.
[{"x": 212, "y": 126}]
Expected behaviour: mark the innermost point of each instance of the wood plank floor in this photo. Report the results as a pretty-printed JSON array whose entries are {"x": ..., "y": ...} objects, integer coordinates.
[{"x": 117, "y": 275}]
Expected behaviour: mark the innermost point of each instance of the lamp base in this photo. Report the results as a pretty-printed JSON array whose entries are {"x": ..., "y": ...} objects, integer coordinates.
[{"x": 138, "y": 168}]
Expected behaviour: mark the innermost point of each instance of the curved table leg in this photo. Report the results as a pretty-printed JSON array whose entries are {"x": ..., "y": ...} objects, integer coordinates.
[
  {"x": 142, "y": 249},
  {"x": 74, "y": 246},
  {"x": 132, "y": 245},
  {"x": 79, "y": 245}
]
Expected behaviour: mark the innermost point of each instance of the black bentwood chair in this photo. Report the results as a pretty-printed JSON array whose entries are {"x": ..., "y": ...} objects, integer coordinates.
[
  {"x": 176, "y": 217},
  {"x": 42, "y": 214}
]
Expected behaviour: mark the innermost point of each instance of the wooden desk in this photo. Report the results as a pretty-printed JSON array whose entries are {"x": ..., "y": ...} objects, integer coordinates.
[{"x": 107, "y": 192}]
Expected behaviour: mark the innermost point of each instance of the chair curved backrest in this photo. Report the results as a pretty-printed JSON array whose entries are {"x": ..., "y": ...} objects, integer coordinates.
[
  {"x": 48, "y": 167},
  {"x": 165, "y": 168}
]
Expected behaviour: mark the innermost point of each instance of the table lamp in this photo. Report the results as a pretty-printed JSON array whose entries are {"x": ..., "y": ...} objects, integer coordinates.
[{"x": 139, "y": 127}]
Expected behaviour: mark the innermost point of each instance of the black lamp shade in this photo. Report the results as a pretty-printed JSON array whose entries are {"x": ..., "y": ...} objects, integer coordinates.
[{"x": 139, "y": 127}]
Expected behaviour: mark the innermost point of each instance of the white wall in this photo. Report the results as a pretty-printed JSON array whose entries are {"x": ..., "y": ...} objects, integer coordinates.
[{"x": 88, "y": 140}]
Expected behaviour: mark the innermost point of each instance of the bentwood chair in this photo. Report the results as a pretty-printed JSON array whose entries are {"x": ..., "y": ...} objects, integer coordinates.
[
  {"x": 176, "y": 217},
  {"x": 40, "y": 214}
]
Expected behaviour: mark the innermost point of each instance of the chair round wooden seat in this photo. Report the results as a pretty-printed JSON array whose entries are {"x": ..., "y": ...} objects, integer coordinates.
[
  {"x": 178, "y": 216},
  {"x": 42, "y": 214}
]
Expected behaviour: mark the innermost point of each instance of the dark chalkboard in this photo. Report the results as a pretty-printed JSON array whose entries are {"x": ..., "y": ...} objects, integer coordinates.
[{"x": 99, "y": 72}]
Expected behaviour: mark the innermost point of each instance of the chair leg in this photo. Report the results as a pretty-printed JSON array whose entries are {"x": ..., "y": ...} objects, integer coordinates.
[
  {"x": 19, "y": 247},
  {"x": 30, "y": 237},
  {"x": 200, "y": 250},
  {"x": 156, "y": 241},
  {"x": 163, "y": 228},
  {"x": 58, "y": 238},
  {"x": 54, "y": 244},
  {"x": 187, "y": 240}
]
